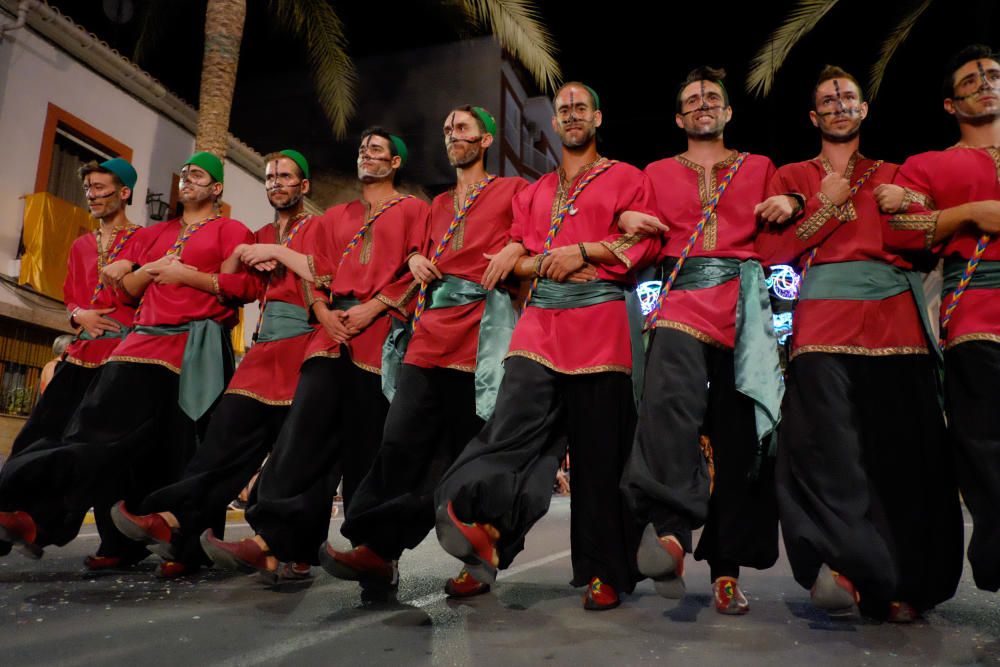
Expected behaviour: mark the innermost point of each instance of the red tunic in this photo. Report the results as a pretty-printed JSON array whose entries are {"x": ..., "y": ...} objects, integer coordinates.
[
  {"x": 849, "y": 233},
  {"x": 681, "y": 192},
  {"x": 591, "y": 339},
  {"x": 269, "y": 371},
  {"x": 373, "y": 264},
  {"x": 205, "y": 250},
  {"x": 449, "y": 337},
  {"x": 78, "y": 289},
  {"x": 935, "y": 181}
]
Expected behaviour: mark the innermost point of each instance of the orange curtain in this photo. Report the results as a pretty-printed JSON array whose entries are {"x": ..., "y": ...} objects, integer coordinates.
[{"x": 50, "y": 227}]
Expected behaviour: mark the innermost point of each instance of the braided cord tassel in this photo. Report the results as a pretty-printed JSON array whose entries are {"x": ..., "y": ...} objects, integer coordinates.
[
  {"x": 112, "y": 256},
  {"x": 558, "y": 218},
  {"x": 706, "y": 215},
  {"x": 470, "y": 199},
  {"x": 854, "y": 190},
  {"x": 963, "y": 284}
]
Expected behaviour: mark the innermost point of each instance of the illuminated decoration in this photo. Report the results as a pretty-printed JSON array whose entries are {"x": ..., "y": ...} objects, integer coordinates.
[
  {"x": 648, "y": 293},
  {"x": 782, "y": 326},
  {"x": 784, "y": 282}
]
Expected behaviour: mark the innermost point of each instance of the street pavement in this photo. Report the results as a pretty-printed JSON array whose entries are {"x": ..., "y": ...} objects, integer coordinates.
[{"x": 52, "y": 612}]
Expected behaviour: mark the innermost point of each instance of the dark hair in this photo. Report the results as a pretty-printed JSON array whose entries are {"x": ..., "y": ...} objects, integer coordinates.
[
  {"x": 278, "y": 155},
  {"x": 834, "y": 72},
  {"x": 376, "y": 131},
  {"x": 704, "y": 73},
  {"x": 92, "y": 167},
  {"x": 579, "y": 84},
  {"x": 967, "y": 54}
]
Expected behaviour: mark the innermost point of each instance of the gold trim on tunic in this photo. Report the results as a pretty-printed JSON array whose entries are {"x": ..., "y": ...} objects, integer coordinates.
[
  {"x": 84, "y": 364},
  {"x": 258, "y": 398},
  {"x": 914, "y": 197},
  {"x": 366, "y": 367},
  {"x": 322, "y": 281},
  {"x": 858, "y": 350},
  {"x": 808, "y": 227},
  {"x": 620, "y": 245},
  {"x": 323, "y": 353},
  {"x": 969, "y": 337},
  {"x": 710, "y": 232},
  {"x": 917, "y": 222},
  {"x": 144, "y": 360},
  {"x": 539, "y": 359},
  {"x": 691, "y": 331}
]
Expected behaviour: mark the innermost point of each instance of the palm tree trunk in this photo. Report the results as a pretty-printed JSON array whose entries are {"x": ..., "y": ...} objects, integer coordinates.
[{"x": 223, "y": 35}]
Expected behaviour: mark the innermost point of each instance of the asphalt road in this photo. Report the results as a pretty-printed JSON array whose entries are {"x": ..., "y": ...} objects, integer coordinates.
[{"x": 54, "y": 613}]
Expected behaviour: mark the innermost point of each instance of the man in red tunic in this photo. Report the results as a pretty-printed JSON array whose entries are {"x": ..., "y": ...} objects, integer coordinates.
[
  {"x": 249, "y": 416},
  {"x": 338, "y": 411},
  {"x": 142, "y": 413},
  {"x": 453, "y": 364},
  {"x": 103, "y": 319},
  {"x": 863, "y": 473},
  {"x": 713, "y": 383},
  {"x": 567, "y": 373},
  {"x": 949, "y": 201}
]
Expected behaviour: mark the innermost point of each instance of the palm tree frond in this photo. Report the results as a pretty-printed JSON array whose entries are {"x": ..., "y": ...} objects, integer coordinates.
[
  {"x": 155, "y": 25},
  {"x": 517, "y": 26},
  {"x": 892, "y": 43},
  {"x": 799, "y": 22},
  {"x": 325, "y": 42}
]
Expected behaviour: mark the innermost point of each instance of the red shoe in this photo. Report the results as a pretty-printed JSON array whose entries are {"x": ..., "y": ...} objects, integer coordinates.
[
  {"x": 662, "y": 560},
  {"x": 834, "y": 593},
  {"x": 150, "y": 529},
  {"x": 465, "y": 586},
  {"x": 172, "y": 569},
  {"x": 902, "y": 612},
  {"x": 359, "y": 564},
  {"x": 472, "y": 543},
  {"x": 18, "y": 529},
  {"x": 294, "y": 571},
  {"x": 600, "y": 596},
  {"x": 729, "y": 599},
  {"x": 245, "y": 555}
]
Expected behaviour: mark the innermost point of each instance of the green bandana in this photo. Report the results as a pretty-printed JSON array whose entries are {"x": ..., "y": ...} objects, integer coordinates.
[
  {"x": 123, "y": 170},
  {"x": 209, "y": 163},
  {"x": 298, "y": 158},
  {"x": 400, "y": 149},
  {"x": 488, "y": 121}
]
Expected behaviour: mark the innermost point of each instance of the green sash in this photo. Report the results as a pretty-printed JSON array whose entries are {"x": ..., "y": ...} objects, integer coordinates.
[
  {"x": 495, "y": 330},
  {"x": 755, "y": 357},
  {"x": 869, "y": 281},
  {"x": 207, "y": 356},
  {"x": 550, "y": 294},
  {"x": 987, "y": 275},
  {"x": 283, "y": 320},
  {"x": 121, "y": 333}
]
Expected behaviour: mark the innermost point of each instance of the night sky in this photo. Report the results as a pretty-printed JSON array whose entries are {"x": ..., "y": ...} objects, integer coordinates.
[{"x": 634, "y": 56}]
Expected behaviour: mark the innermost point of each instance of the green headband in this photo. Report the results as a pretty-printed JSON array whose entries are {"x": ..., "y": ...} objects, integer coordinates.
[
  {"x": 488, "y": 122},
  {"x": 593, "y": 96},
  {"x": 209, "y": 163},
  {"x": 298, "y": 158},
  {"x": 401, "y": 151},
  {"x": 123, "y": 170}
]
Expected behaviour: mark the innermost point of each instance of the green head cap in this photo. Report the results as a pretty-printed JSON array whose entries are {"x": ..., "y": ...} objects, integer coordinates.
[
  {"x": 121, "y": 168},
  {"x": 298, "y": 158},
  {"x": 593, "y": 96},
  {"x": 209, "y": 163},
  {"x": 488, "y": 121},
  {"x": 401, "y": 150}
]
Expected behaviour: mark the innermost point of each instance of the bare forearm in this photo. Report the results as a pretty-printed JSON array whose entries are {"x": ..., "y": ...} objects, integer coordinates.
[
  {"x": 598, "y": 253},
  {"x": 296, "y": 262},
  {"x": 527, "y": 267},
  {"x": 135, "y": 283},
  {"x": 950, "y": 220}
]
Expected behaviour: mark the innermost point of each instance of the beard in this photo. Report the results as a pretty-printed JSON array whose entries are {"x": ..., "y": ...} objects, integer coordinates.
[
  {"x": 293, "y": 201},
  {"x": 845, "y": 136},
  {"x": 705, "y": 133},
  {"x": 978, "y": 119},
  {"x": 111, "y": 206},
  {"x": 374, "y": 174},
  {"x": 195, "y": 195},
  {"x": 589, "y": 133},
  {"x": 465, "y": 158}
]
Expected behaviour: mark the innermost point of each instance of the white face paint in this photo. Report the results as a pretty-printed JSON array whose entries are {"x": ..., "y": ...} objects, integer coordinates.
[
  {"x": 102, "y": 195},
  {"x": 462, "y": 139},
  {"x": 703, "y": 110},
  {"x": 195, "y": 185},
  {"x": 374, "y": 159},
  {"x": 576, "y": 116},
  {"x": 839, "y": 110},
  {"x": 977, "y": 92},
  {"x": 283, "y": 184}
]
